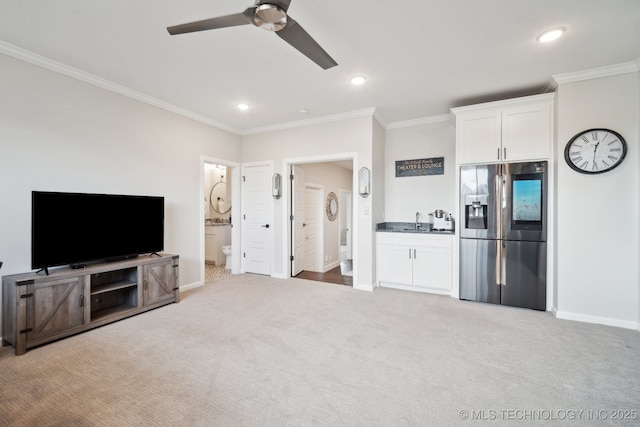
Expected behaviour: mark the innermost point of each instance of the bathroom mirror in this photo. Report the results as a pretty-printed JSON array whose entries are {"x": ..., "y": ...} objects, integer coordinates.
[
  {"x": 332, "y": 206},
  {"x": 218, "y": 198}
]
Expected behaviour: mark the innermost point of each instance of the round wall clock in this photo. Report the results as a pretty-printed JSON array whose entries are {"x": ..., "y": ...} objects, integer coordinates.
[{"x": 595, "y": 151}]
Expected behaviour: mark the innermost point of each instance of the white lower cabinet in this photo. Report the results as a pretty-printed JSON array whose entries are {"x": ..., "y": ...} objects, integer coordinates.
[{"x": 420, "y": 262}]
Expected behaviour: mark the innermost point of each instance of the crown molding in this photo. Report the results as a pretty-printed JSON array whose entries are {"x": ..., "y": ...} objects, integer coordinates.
[
  {"x": 368, "y": 112},
  {"x": 57, "y": 67},
  {"x": 595, "y": 73},
  {"x": 418, "y": 122}
]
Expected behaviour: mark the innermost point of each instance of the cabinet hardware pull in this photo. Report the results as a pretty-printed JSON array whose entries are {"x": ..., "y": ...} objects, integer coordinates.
[
  {"x": 498, "y": 153},
  {"x": 414, "y": 254},
  {"x": 409, "y": 253},
  {"x": 81, "y": 300},
  {"x": 504, "y": 151}
]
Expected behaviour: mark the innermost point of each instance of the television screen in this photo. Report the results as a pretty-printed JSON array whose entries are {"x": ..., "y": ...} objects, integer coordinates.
[{"x": 73, "y": 228}]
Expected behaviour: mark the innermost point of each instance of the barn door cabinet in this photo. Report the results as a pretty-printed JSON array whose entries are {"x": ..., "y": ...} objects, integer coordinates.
[
  {"x": 415, "y": 261},
  {"x": 513, "y": 130},
  {"x": 39, "y": 308}
]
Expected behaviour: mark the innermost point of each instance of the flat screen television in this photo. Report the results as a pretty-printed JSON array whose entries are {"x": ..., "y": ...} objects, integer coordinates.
[{"x": 76, "y": 228}]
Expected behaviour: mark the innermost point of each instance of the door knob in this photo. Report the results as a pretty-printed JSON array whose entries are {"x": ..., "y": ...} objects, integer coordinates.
[{"x": 265, "y": 226}]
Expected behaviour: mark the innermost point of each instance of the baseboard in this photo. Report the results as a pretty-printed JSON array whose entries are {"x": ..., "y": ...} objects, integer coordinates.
[
  {"x": 331, "y": 266},
  {"x": 191, "y": 286},
  {"x": 415, "y": 289},
  {"x": 362, "y": 287},
  {"x": 608, "y": 321}
]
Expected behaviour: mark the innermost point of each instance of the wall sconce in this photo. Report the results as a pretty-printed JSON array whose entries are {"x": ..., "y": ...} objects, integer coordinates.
[
  {"x": 276, "y": 185},
  {"x": 364, "y": 182}
]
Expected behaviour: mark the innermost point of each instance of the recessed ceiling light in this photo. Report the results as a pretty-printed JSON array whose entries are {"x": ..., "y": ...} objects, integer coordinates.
[
  {"x": 358, "y": 80},
  {"x": 304, "y": 110},
  {"x": 551, "y": 35},
  {"x": 242, "y": 106}
]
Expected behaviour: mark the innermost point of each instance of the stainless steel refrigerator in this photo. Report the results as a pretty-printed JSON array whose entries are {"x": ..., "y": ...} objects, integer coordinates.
[{"x": 503, "y": 234}]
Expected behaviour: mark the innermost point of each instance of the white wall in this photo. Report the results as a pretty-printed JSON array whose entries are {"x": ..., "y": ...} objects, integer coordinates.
[
  {"x": 333, "y": 178},
  {"x": 319, "y": 142},
  {"x": 597, "y": 228},
  {"x": 407, "y": 195},
  {"x": 60, "y": 134}
]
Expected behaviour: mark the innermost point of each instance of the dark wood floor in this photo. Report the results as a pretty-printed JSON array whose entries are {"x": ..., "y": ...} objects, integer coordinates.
[{"x": 331, "y": 276}]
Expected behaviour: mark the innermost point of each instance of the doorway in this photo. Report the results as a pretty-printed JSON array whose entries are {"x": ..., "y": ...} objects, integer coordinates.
[
  {"x": 317, "y": 251},
  {"x": 219, "y": 194}
]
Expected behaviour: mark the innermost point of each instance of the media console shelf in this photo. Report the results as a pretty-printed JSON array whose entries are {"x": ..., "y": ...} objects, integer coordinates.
[{"x": 39, "y": 308}]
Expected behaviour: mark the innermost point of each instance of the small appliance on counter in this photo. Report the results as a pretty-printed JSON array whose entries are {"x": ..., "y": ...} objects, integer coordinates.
[{"x": 441, "y": 221}]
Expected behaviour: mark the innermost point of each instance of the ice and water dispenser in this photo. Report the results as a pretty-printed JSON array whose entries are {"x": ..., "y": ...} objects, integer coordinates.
[{"x": 475, "y": 211}]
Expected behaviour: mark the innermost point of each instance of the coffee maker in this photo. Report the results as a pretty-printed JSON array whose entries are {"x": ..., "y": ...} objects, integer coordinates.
[{"x": 442, "y": 221}]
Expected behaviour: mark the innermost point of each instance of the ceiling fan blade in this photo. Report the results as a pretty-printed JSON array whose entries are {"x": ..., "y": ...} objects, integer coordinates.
[
  {"x": 234, "y": 20},
  {"x": 282, "y": 4},
  {"x": 297, "y": 37}
]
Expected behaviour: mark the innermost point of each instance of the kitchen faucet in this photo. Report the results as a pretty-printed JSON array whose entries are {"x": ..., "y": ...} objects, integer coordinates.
[{"x": 418, "y": 224}]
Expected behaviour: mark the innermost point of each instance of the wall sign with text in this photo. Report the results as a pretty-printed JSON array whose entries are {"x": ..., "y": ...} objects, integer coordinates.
[{"x": 419, "y": 167}]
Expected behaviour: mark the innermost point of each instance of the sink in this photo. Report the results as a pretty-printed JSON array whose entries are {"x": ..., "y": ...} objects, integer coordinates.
[{"x": 406, "y": 227}]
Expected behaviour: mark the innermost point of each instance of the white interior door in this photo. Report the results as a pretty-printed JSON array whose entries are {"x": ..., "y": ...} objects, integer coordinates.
[
  {"x": 311, "y": 228},
  {"x": 256, "y": 219},
  {"x": 297, "y": 223}
]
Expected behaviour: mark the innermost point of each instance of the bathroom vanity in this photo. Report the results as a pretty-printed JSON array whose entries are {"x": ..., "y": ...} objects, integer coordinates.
[{"x": 216, "y": 235}]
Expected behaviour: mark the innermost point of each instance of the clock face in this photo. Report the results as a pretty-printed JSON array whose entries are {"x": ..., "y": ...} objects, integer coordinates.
[{"x": 595, "y": 151}]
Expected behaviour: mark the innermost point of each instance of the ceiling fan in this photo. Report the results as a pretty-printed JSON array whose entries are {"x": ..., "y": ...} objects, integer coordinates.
[{"x": 270, "y": 15}]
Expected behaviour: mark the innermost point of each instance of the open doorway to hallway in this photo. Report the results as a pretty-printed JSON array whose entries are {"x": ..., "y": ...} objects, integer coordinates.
[{"x": 320, "y": 222}]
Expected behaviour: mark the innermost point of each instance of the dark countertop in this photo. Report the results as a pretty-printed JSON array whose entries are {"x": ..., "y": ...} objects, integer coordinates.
[{"x": 409, "y": 227}]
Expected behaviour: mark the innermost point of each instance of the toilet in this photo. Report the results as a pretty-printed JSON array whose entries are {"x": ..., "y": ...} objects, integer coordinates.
[{"x": 227, "y": 251}]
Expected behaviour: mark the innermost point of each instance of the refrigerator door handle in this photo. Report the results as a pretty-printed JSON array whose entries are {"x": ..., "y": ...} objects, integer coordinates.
[
  {"x": 498, "y": 270},
  {"x": 503, "y": 263},
  {"x": 498, "y": 204},
  {"x": 503, "y": 206}
]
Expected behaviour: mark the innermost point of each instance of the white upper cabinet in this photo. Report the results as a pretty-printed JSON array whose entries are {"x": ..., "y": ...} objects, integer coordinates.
[{"x": 505, "y": 131}]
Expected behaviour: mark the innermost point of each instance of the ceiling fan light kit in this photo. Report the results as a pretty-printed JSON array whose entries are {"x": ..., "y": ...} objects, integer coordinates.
[{"x": 270, "y": 15}]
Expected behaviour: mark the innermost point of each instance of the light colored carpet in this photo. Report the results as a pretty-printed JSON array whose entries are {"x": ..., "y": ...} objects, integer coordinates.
[{"x": 249, "y": 350}]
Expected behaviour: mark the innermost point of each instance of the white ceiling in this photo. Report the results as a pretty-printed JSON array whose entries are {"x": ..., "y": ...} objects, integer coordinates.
[{"x": 421, "y": 57}]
